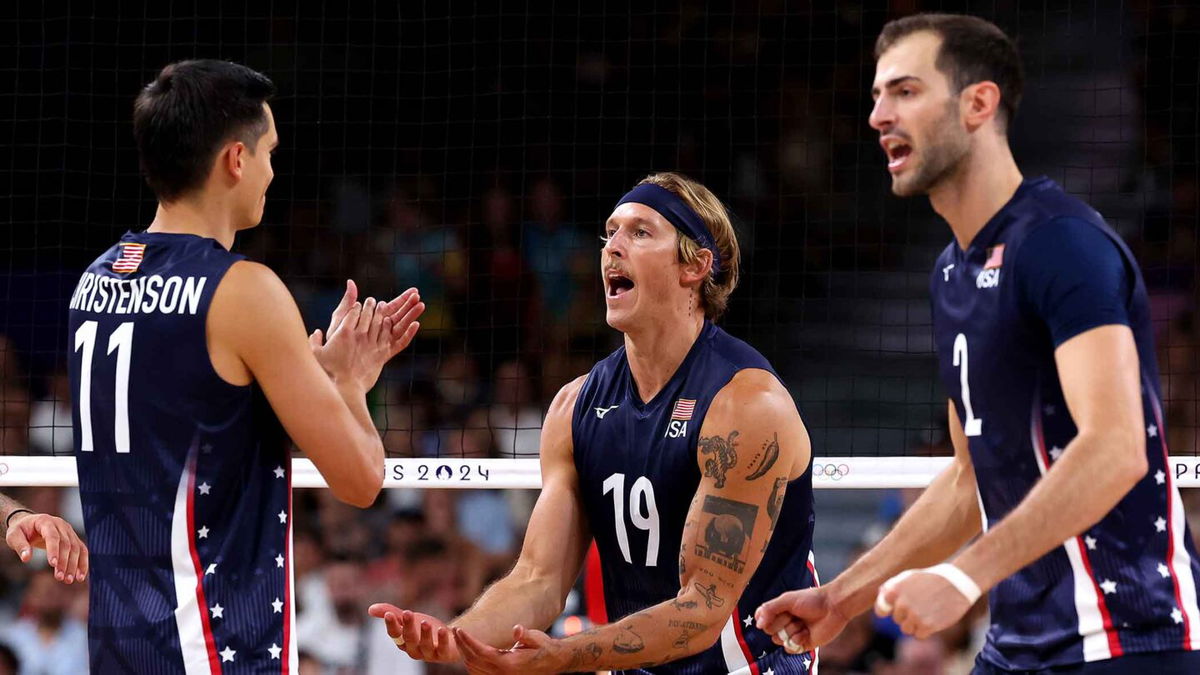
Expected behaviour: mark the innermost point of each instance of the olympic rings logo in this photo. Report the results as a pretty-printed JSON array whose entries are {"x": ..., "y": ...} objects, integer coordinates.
[{"x": 834, "y": 471}]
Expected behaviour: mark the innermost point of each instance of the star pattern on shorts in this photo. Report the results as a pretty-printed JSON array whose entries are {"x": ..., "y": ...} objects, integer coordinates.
[
  {"x": 218, "y": 612},
  {"x": 1090, "y": 541},
  {"x": 227, "y": 655},
  {"x": 1176, "y": 615},
  {"x": 204, "y": 488},
  {"x": 1055, "y": 453},
  {"x": 1152, "y": 431},
  {"x": 279, "y": 472},
  {"x": 279, "y": 560},
  {"x": 1160, "y": 525},
  {"x": 212, "y": 569},
  {"x": 202, "y": 533},
  {"x": 749, "y": 620},
  {"x": 769, "y": 671},
  {"x": 274, "y": 649},
  {"x": 282, "y": 517},
  {"x": 1164, "y": 570},
  {"x": 1108, "y": 586},
  {"x": 1160, "y": 477},
  {"x": 277, "y": 606}
]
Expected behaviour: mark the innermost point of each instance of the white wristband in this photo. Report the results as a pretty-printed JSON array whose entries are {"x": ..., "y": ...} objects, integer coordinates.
[{"x": 958, "y": 579}]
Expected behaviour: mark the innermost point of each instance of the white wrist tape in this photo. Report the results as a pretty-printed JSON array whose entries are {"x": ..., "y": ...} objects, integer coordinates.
[{"x": 959, "y": 580}]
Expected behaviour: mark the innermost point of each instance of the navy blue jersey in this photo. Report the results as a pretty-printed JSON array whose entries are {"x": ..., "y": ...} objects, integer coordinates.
[
  {"x": 184, "y": 478},
  {"x": 638, "y": 460},
  {"x": 1044, "y": 269}
]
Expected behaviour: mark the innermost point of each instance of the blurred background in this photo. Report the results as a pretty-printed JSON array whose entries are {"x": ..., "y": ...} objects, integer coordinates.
[{"x": 474, "y": 152}]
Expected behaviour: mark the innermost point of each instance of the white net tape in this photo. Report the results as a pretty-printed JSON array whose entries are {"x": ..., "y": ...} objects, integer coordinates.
[{"x": 828, "y": 472}]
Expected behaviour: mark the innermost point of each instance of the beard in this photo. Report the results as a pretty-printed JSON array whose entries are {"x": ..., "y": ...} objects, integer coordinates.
[{"x": 941, "y": 159}]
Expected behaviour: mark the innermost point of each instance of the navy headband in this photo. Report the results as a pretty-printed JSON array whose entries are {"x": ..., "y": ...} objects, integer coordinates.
[{"x": 678, "y": 213}]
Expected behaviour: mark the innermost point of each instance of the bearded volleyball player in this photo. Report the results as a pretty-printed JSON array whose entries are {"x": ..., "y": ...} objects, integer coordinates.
[
  {"x": 677, "y": 453},
  {"x": 184, "y": 360},
  {"x": 1043, "y": 334}
]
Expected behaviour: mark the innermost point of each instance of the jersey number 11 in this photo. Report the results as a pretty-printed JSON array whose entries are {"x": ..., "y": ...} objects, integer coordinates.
[{"x": 121, "y": 342}]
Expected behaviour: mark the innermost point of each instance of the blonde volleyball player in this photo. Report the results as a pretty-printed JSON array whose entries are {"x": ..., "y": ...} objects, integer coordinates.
[{"x": 677, "y": 453}]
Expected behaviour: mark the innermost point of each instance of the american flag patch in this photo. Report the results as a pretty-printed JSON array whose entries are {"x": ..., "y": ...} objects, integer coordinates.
[
  {"x": 130, "y": 258},
  {"x": 995, "y": 257},
  {"x": 683, "y": 409}
]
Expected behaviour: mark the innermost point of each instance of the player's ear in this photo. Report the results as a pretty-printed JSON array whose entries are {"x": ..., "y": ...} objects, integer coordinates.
[
  {"x": 699, "y": 267},
  {"x": 979, "y": 103},
  {"x": 233, "y": 157}
]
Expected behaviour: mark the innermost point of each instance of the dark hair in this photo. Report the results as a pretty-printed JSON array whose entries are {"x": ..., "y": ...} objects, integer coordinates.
[
  {"x": 973, "y": 50},
  {"x": 181, "y": 119}
]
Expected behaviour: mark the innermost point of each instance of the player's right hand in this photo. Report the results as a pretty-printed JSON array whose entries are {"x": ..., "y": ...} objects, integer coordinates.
[
  {"x": 800, "y": 621},
  {"x": 66, "y": 553},
  {"x": 421, "y": 636}
]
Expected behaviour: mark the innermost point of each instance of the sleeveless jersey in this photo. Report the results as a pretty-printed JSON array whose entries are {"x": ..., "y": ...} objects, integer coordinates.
[
  {"x": 637, "y": 473},
  {"x": 184, "y": 478},
  {"x": 1127, "y": 584}
]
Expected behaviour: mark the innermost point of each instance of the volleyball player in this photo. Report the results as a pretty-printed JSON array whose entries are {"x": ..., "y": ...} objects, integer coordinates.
[
  {"x": 1043, "y": 335},
  {"x": 184, "y": 360},
  {"x": 25, "y": 530},
  {"x": 677, "y": 453}
]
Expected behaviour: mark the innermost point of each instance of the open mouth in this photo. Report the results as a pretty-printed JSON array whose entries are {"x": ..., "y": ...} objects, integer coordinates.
[
  {"x": 618, "y": 284},
  {"x": 898, "y": 152}
]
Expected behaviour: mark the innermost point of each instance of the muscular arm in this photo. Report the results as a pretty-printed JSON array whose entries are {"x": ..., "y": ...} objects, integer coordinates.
[
  {"x": 944, "y": 518},
  {"x": 1099, "y": 371},
  {"x": 556, "y": 541},
  {"x": 255, "y": 328},
  {"x": 751, "y": 444}
]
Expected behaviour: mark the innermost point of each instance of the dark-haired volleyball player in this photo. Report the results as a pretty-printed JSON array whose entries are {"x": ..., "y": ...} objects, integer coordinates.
[
  {"x": 184, "y": 360},
  {"x": 1043, "y": 334},
  {"x": 677, "y": 453}
]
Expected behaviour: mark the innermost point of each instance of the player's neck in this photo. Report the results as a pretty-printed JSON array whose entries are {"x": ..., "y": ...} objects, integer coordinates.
[
  {"x": 655, "y": 352},
  {"x": 978, "y": 190},
  {"x": 196, "y": 216}
]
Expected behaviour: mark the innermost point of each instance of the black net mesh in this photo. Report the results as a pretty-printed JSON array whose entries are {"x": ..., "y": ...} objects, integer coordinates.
[{"x": 474, "y": 151}]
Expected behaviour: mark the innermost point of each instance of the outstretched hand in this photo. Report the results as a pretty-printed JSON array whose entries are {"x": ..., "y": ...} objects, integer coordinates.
[
  {"x": 534, "y": 652},
  {"x": 421, "y": 636},
  {"x": 64, "y": 550}
]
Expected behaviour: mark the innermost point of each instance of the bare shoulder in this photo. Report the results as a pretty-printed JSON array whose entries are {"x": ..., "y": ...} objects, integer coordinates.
[
  {"x": 557, "y": 445},
  {"x": 756, "y": 407},
  {"x": 755, "y": 392},
  {"x": 564, "y": 400},
  {"x": 252, "y": 313}
]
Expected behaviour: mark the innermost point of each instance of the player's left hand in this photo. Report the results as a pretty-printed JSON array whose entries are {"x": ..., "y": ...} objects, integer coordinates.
[
  {"x": 403, "y": 310},
  {"x": 534, "y": 652},
  {"x": 64, "y": 550},
  {"x": 921, "y": 603}
]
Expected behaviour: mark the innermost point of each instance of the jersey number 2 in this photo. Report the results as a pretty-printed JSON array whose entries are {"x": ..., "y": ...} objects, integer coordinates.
[
  {"x": 972, "y": 426},
  {"x": 121, "y": 342},
  {"x": 641, "y": 493}
]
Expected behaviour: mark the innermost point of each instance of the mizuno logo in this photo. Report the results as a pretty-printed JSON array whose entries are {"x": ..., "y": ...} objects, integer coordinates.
[
  {"x": 946, "y": 271},
  {"x": 601, "y": 412}
]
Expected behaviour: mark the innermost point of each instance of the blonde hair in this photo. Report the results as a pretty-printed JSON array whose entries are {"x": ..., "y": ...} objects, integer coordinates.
[{"x": 715, "y": 291}]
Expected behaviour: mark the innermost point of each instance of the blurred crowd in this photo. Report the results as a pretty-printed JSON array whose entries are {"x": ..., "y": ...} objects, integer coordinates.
[{"x": 768, "y": 112}]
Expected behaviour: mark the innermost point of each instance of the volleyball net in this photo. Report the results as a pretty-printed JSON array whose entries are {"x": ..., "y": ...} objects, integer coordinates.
[{"x": 475, "y": 152}]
